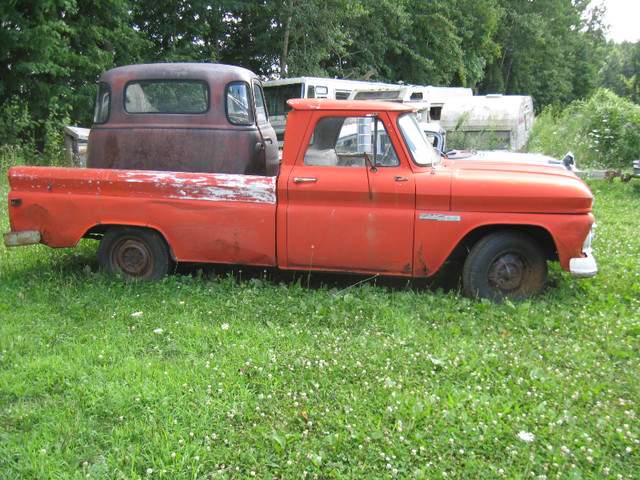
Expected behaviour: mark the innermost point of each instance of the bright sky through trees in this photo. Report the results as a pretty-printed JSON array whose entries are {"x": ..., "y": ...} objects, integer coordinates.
[{"x": 622, "y": 16}]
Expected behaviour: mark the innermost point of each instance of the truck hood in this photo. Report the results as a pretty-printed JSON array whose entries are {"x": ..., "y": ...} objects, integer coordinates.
[
  {"x": 495, "y": 185},
  {"x": 567, "y": 162}
]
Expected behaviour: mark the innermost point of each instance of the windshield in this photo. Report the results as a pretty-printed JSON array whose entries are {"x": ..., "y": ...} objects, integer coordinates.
[{"x": 421, "y": 150}]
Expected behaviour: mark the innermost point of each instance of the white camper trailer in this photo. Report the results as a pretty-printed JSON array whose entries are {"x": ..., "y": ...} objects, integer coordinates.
[
  {"x": 489, "y": 121},
  {"x": 427, "y": 100},
  {"x": 277, "y": 92},
  {"x": 435, "y": 96}
]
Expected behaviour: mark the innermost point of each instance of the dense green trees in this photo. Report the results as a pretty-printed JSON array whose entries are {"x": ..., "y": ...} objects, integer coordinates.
[
  {"x": 620, "y": 71},
  {"x": 549, "y": 49},
  {"x": 52, "y": 51}
]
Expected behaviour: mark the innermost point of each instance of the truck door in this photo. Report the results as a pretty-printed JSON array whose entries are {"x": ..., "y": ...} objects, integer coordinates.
[{"x": 351, "y": 201}]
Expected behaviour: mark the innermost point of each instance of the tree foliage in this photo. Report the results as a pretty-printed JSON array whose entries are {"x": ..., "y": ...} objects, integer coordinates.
[
  {"x": 620, "y": 71},
  {"x": 548, "y": 49},
  {"x": 51, "y": 54},
  {"x": 52, "y": 51}
]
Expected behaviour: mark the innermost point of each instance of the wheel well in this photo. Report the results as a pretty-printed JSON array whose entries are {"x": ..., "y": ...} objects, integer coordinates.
[
  {"x": 98, "y": 231},
  {"x": 541, "y": 235}
]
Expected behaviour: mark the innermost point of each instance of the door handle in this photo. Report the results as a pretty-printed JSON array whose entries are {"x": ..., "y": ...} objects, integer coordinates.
[
  {"x": 401, "y": 179},
  {"x": 304, "y": 180}
]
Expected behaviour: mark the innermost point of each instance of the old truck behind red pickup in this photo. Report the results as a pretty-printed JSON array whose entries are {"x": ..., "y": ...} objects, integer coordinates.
[{"x": 359, "y": 190}]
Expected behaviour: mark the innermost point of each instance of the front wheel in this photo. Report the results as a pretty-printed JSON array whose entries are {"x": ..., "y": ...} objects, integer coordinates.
[
  {"x": 505, "y": 265},
  {"x": 136, "y": 253}
]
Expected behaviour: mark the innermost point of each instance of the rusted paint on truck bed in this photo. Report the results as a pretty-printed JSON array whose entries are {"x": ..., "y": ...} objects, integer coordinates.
[{"x": 205, "y": 218}]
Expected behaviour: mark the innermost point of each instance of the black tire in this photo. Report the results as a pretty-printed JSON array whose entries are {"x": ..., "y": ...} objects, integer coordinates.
[
  {"x": 505, "y": 265},
  {"x": 136, "y": 253}
]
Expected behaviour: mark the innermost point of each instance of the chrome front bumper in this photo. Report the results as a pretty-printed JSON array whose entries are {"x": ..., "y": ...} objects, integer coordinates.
[{"x": 585, "y": 267}]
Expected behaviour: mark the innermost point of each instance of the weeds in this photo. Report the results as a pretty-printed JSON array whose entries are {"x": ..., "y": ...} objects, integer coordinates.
[{"x": 602, "y": 131}]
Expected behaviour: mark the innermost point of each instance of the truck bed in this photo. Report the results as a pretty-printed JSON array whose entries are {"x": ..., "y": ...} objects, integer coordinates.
[{"x": 213, "y": 218}]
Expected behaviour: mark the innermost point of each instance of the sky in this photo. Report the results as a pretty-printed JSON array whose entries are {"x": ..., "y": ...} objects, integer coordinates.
[{"x": 623, "y": 16}]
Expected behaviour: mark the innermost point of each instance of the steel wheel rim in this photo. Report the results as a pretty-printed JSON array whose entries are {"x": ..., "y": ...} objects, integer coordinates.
[
  {"x": 507, "y": 273},
  {"x": 133, "y": 258}
]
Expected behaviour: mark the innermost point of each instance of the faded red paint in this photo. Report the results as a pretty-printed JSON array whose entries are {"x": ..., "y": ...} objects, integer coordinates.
[{"x": 213, "y": 218}]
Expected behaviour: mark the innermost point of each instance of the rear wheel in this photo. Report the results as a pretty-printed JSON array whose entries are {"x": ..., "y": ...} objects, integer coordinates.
[
  {"x": 505, "y": 265},
  {"x": 136, "y": 253}
]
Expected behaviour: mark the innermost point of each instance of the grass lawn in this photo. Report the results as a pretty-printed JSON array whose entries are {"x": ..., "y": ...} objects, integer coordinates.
[{"x": 245, "y": 373}]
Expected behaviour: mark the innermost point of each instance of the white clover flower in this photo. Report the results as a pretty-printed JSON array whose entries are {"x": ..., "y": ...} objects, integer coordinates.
[
  {"x": 526, "y": 436},
  {"x": 158, "y": 330},
  {"x": 225, "y": 326}
]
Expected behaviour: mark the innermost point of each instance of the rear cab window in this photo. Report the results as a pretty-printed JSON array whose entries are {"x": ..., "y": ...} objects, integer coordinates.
[{"x": 166, "y": 97}]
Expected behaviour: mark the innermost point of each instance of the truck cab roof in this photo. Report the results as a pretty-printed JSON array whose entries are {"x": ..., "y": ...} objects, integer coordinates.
[
  {"x": 347, "y": 105},
  {"x": 183, "y": 71}
]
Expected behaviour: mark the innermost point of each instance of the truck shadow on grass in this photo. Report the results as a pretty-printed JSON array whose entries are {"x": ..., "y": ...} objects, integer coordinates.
[
  {"x": 70, "y": 265},
  {"x": 80, "y": 266},
  {"x": 446, "y": 280}
]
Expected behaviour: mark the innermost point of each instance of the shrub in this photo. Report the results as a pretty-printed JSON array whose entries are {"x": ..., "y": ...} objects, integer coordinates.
[
  {"x": 602, "y": 131},
  {"x": 12, "y": 155},
  {"x": 19, "y": 132}
]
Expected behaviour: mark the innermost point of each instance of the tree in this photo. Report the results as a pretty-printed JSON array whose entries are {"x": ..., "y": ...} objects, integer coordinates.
[
  {"x": 549, "y": 50},
  {"x": 52, "y": 51},
  {"x": 620, "y": 71},
  {"x": 432, "y": 42},
  {"x": 51, "y": 55}
]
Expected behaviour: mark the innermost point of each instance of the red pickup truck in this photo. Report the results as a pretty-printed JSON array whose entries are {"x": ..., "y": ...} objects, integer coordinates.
[{"x": 359, "y": 190}]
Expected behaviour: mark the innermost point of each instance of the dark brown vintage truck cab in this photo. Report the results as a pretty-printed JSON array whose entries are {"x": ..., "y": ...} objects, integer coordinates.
[{"x": 205, "y": 118}]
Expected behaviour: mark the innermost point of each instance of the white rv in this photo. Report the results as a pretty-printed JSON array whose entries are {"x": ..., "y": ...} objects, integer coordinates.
[
  {"x": 277, "y": 92},
  {"x": 436, "y": 97},
  {"x": 427, "y": 100},
  {"x": 489, "y": 121}
]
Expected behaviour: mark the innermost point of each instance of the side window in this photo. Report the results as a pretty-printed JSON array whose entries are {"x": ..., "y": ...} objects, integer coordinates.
[
  {"x": 322, "y": 92},
  {"x": 172, "y": 97},
  {"x": 350, "y": 142},
  {"x": 238, "y": 106},
  {"x": 261, "y": 109},
  {"x": 103, "y": 104}
]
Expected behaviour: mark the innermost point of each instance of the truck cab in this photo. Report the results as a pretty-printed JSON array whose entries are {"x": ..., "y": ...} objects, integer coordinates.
[{"x": 203, "y": 118}]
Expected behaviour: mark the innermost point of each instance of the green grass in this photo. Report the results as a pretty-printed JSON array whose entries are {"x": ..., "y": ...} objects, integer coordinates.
[{"x": 245, "y": 373}]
